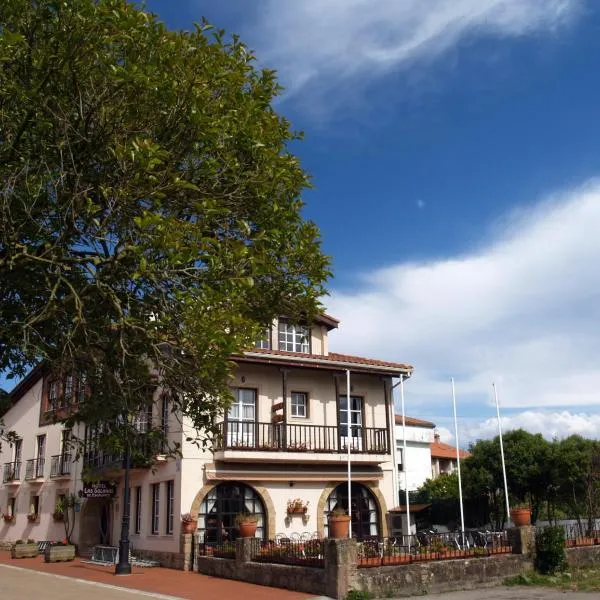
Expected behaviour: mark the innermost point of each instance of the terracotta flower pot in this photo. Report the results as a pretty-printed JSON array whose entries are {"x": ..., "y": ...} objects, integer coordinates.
[
  {"x": 339, "y": 526},
  {"x": 247, "y": 528},
  {"x": 189, "y": 526},
  {"x": 521, "y": 517}
]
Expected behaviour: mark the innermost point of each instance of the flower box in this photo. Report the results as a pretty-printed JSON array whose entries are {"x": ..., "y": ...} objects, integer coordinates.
[
  {"x": 396, "y": 560},
  {"x": 58, "y": 517},
  {"x": 33, "y": 518},
  {"x": 29, "y": 550},
  {"x": 8, "y": 518},
  {"x": 59, "y": 553}
]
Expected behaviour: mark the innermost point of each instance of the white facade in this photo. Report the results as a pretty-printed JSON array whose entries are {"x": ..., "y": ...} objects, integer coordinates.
[
  {"x": 285, "y": 438},
  {"x": 415, "y": 468}
]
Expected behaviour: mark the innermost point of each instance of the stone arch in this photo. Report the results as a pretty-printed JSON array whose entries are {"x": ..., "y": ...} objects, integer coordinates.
[
  {"x": 260, "y": 491},
  {"x": 373, "y": 487}
]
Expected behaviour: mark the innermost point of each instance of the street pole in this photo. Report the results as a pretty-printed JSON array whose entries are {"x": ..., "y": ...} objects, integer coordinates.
[{"x": 123, "y": 567}]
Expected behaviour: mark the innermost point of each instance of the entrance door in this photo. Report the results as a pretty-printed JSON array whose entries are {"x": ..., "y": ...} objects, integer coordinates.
[
  {"x": 364, "y": 511},
  {"x": 105, "y": 524},
  {"x": 241, "y": 419}
]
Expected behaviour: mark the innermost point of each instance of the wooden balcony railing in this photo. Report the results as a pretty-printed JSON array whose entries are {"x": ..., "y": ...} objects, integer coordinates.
[
  {"x": 294, "y": 437},
  {"x": 12, "y": 471},
  {"x": 34, "y": 468},
  {"x": 60, "y": 465}
]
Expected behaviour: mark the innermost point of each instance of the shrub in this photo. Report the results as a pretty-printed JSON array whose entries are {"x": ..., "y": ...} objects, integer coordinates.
[
  {"x": 550, "y": 554},
  {"x": 358, "y": 595}
]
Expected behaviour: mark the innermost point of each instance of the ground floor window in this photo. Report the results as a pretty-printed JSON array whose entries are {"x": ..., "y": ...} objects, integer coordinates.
[
  {"x": 216, "y": 520},
  {"x": 365, "y": 513}
]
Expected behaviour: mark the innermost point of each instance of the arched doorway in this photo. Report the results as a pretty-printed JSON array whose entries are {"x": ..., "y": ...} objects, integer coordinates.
[
  {"x": 216, "y": 518},
  {"x": 365, "y": 511}
]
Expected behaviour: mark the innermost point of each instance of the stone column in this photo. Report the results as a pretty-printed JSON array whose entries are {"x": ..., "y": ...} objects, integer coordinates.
[
  {"x": 186, "y": 550},
  {"x": 522, "y": 539},
  {"x": 340, "y": 566},
  {"x": 243, "y": 549}
]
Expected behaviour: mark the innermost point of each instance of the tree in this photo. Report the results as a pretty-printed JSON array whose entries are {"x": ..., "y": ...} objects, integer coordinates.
[
  {"x": 5, "y": 436},
  {"x": 444, "y": 487},
  {"x": 150, "y": 208}
]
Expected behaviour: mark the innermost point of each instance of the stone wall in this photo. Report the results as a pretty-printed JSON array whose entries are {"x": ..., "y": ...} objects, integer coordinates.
[
  {"x": 584, "y": 556},
  {"x": 439, "y": 576},
  {"x": 301, "y": 579}
]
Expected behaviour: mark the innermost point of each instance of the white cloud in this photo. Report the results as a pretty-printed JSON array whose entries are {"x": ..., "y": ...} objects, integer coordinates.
[
  {"x": 551, "y": 424},
  {"x": 420, "y": 204},
  {"x": 321, "y": 44},
  {"x": 523, "y": 311}
]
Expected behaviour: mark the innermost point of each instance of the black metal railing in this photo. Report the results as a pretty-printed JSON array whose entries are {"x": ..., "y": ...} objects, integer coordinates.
[
  {"x": 34, "y": 468},
  {"x": 217, "y": 549},
  {"x": 581, "y": 535},
  {"x": 12, "y": 471},
  {"x": 309, "y": 553},
  {"x": 292, "y": 437},
  {"x": 426, "y": 546},
  {"x": 144, "y": 449},
  {"x": 60, "y": 465}
]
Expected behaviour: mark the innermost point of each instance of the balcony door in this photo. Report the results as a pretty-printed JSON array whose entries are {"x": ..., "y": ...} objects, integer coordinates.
[
  {"x": 241, "y": 419},
  {"x": 352, "y": 415}
]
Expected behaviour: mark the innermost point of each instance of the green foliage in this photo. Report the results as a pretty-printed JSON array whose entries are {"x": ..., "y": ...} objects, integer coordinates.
[
  {"x": 150, "y": 207},
  {"x": 550, "y": 554},
  {"x": 441, "y": 488},
  {"x": 358, "y": 595}
]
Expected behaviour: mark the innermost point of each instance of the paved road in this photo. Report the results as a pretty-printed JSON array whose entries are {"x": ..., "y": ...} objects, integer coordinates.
[
  {"x": 17, "y": 584},
  {"x": 516, "y": 593}
]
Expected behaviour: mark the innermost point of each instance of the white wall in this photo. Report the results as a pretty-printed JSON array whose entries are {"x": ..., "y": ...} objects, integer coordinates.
[{"x": 417, "y": 462}]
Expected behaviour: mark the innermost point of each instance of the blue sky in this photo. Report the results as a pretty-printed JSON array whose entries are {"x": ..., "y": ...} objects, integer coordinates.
[{"x": 454, "y": 147}]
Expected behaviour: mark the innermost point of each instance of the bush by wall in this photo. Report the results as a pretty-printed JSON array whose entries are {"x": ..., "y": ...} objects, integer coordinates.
[{"x": 550, "y": 554}]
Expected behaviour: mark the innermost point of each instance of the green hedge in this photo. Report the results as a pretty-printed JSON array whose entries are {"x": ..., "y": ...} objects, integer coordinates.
[{"x": 550, "y": 556}]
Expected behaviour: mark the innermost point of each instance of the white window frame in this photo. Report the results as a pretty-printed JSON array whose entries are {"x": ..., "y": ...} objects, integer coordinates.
[
  {"x": 295, "y": 405},
  {"x": 346, "y": 419},
  {"x": 294, "y": 338},
  {"x": 265, "y": 342},
  {"x": 155, "y": 529},
  {"x": 170, "y": 506},
  {"x": 241, "y": 428}
]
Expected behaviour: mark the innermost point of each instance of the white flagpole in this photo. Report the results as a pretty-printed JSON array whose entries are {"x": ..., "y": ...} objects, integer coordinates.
[
  {"x": 349, "y": 440},
  {"x": 404, "y": 463},
  {"x": 460, "y": 494},
  {"x": 501, "y": 451}
]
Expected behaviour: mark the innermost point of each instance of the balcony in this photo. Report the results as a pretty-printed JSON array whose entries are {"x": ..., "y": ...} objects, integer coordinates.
[
  {"x": 12, "y": 472},
  {"x": 60, "y": 466},
  {"x": 143, "y": 455},
  {"x": 34, "y": 469},
  {"x": 248, "y": 441}
]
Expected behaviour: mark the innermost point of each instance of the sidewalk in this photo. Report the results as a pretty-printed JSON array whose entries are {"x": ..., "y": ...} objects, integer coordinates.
[{"x": 168, "y": 582}]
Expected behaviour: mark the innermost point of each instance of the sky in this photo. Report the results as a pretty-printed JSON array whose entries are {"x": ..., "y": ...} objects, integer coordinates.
[{"x": 454, "y": 147}]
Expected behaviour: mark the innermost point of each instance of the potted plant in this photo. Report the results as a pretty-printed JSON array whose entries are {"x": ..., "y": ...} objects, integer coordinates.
[
  {"x": 58, "y": 515},
  {"x": 59, "y": 552},
  {"x": 521, "y": 515},
  {"x": 189, "y": 523},
  {"x": 8, "y": 518},
  {"x": 297, "y": 507},
  {"x": 339, "y": 523},
  {"x": 24, "y": 549},
  {"x": 246, "y": 524},
  {"x": 33, "y": 517}
]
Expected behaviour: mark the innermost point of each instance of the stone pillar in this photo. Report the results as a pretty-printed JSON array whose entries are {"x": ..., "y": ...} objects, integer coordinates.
[
  {"x": 243, "y": 549},
  {"x": 186, "y": 549},
  {"x": 522, "y": 539},
  {"x": 340, "y": 566}
]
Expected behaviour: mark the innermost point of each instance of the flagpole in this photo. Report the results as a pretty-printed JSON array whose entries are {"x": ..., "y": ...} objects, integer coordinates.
[
  {"x": 460, "y": 494},
  {"x": 501, "y": 451},
  {"x": 404, "y": 462},
  {"x": 348, "y": 433}
]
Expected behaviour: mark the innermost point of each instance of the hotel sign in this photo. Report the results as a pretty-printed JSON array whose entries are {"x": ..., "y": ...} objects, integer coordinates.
[{"x": 98, "y": 489}]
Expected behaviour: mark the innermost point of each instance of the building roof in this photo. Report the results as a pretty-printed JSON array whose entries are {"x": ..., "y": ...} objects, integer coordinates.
[
  {"x": 327, "y": 320},
  {"x": 413, "y": 422},
  {"x": 333, "y": 360},
  {"x": 414, "y": 508},
  {"x": 441, "y": 450}
]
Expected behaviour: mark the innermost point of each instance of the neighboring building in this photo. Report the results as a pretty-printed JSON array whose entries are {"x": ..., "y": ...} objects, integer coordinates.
[
  {"x": 284, "y": 437},
  {"x": 415, "y": 467},
  {"x": 443, "y": 457}
]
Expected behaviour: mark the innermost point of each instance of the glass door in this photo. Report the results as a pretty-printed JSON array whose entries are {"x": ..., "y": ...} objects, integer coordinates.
[
  {"x": 352, "y": 416},
  {"x": 241, "y": 419}
]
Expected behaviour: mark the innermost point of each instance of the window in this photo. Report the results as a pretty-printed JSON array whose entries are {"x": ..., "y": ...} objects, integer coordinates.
[
  {"x": 293, "y": 338},
  {"x": 364, "y": 513},
  {"x": 18, "y": 450},
  {"x": 138, "y": 509},
  {"x": 352, "y": 415},
  {"x": 164, "y": 415},
  {"x": 81, "y": 387},
  {"x": 299, "y": 404},
  {"x": 41, "y": 453},
  {"x": 399, "y": 456},
  {"x": 52, "y": 394},
  {"x": 11, "y": 506},
  {"x": 265, "y": 341},
  {"x": 34, "y": 505},
  {"x": 65, "y": 440},
  {"x": 170, "y": 506},
  {"x": 242, "y": 418},
  {"x": 155, "y": 508},
  {"x": 67, "y": 390}
]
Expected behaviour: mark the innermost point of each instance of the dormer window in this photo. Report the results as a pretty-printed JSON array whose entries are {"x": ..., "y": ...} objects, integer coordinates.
[
  {"x": 265, "y": 341},
  {"x": 293, "y": 338}
]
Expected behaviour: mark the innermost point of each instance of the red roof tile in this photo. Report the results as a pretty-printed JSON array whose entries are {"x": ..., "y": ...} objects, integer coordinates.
[
  {"x": 441, "y": 450},
  {"x": 412, "y": 422},
  {"x": 332, "y": 357}
]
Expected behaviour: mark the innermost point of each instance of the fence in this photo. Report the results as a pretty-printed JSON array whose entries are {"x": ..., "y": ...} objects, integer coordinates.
[
  {"x": 431, "y": 546},
  {"x": 309, "y": 553},
  {"x": 581, "y": 535},
  {"x": 217, "y": 550}
]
